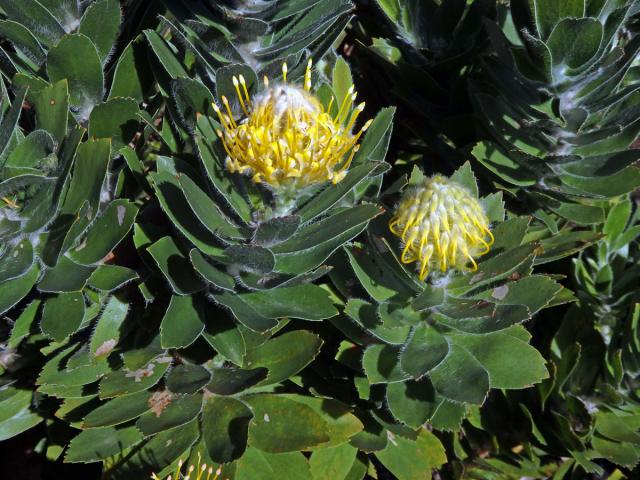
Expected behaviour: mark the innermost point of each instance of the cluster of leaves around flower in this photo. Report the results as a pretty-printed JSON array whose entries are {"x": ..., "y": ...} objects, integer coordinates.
[{"x": 158, "y": 309}]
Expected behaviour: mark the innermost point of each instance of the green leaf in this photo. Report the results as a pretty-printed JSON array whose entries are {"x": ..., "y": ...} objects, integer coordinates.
[
  {"x": 52, "y": 109},
  {"x": 180, "y": 410},
  {"x": 276, "y": 230},
  {"x": 101, "y": 24},
  {"x": 448, "y": 416},
  {"x": 380, "y": 273},
  {"x": 219, "y": 178},
  {"x": 24, "y": 324},
  {"x": 57, "y": 370},
  {"x": 117, "y": 119},
  {"x": 127, "y": 381},
  {"x": 250, "y": 258},
  {"x": 368, "y": 317},
  {"x": 206, "y": 210},
  {"x": 23, "y": 40},
  {"x": 10, "y": 121},
  {"x": 581, "y": 214},
  {"x": 21, "y": 181},
  {"x": 16, "y": 260},
  {"x": 66, "y": 276},
  {"x": 62, "y": 315},
  {"x": 183, "y": 322},
  {"x": 627, "y": 237},
  {"x": 564, "y": 244},
  {"x": 160, "y": 451},
  {"x": 424, "y": 350},
  {"x": 317, "y": 22},
  {"x": 535, "y": 291},
  {"x": 282, "y": 425},
  {"x": 18, "y": 423},
  {"x": 460, "y": 377},
  {"x": 74, "y": 406},
  {"x": 15, "y": 412},
  {"x": 230, "y": 380},
  {"x": 306, "y": 302},
  {"x": 430, "y": 297},
  {"x": 258, "y": 465},
  {"x": 108, "y": 278},
  {"x": 175, "y": 205},
  {"x": 620, "y": 453},
  {"x": 361, "y": 466},
  {"x": 224, "y": 335},
  {"x": 32, "y": 152},
  {"x": 312, "y": 245},
  {"x": 34, "y": 84},
  {"x": 331, "y": 195},
  {"x": 341, "y": 423},
  {"x": 494, "y": 207},
  {"x": 381, "y": 365},
  {"x": 135, "y": 166},
  {"x": 90, "y": 170},
  {"x": 132, "y": 76},
  {"x": 108, "y": 329},
  {"x": 566, "y": 51},
  {"x": 465, "y": 177},
  {"x": 618, "y": 426},
  {"x": 413, "y": 403},
  {"x": 175, "y": 267},
  {"x": 243, "y": 312},
  {"x": 75, "y": 58},
  {"x": 492, "y": 157},
  {"x": 117, "y": 411},
  {"x": 413, "y": 459},
  {"x": 108, "y": 230},
  {"x": 391, "y": 8},
  {"x": 191, "y": 98},
  {"x": 495, "y": 351},
  {"x": 373, "y": 438},
  {"x": 99, "y": 443},
  {"x": 12, "y": 401},
  {"x": 284, "y": 355},
  {"x": 209, "y": 272},
  {"x": 495, "y": 268},
  {"x": 36, "y": 18},
  {"x": 333, "y": 463},
  {"x": 376, "y": 140},
  {"x": 164, "y": 55},
  {"x": 310, "y": 236},
  {"x": 225, "y": 423},
  {"x": 341, "y": 80},
  {"x": 187, "y": 378},
  {"x": 617, "y": 220}
]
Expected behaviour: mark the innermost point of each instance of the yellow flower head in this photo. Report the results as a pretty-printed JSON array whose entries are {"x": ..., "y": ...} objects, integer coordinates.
[
  {"x": 287, "y": 138},
  {"x": 193, "y": 472},
  {"x": 442, "y": 226}
]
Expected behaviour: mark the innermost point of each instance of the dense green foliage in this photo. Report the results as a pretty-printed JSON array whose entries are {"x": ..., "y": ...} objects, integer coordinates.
[{"x": 157, "y": 308}]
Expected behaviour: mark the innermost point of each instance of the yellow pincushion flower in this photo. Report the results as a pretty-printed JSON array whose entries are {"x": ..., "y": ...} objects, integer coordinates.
[
  {"x": 288, "y": 139},
  {"x": 194, "y": 472},
  {"x": 442, "y": 226}
]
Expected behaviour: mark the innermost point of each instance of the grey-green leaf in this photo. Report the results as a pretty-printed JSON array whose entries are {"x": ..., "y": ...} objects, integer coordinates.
[
  {"x": 62, "y": 315},
  {"x": 75, "y": 58},
  {"x": 101, "y": 23},
  {"x": 183, "y": 322},
  {"x": 225, "y": 423}
]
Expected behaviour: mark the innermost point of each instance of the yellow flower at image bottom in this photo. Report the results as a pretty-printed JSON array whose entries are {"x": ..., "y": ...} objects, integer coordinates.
[
  {"x": 193, "y": 472},
  {"x": 287, "y": 138},
  {"x": 442, "y": 226}
]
